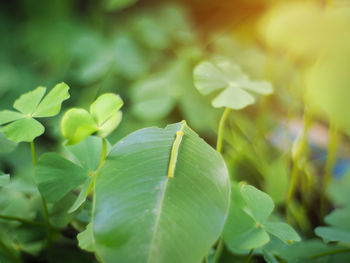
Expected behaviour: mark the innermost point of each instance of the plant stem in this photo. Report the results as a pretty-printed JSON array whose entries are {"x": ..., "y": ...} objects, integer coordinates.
[
  {"x": 219, "y": 141},
  {"x": 103, "y": 155},
  {"x": 300, "y": 150},
  {"x": 332, "y": 252},
  {"x": 221, "y": 130},
  {"x": 219, "y": 249},
  {"x": 205, "y": 260},
  {"x": 102, "y": 160},
  {"x": 32, "y": 148},
  {"x": 24, "y": 221},
  {"x": 250, "y": 255},
  {"x": 92, "y": 185},
  {"x": 46, "y": 212},
  {"x": 331, "y": 158}
]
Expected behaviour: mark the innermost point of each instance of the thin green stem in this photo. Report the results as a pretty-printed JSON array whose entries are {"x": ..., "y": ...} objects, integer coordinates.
[
  {"x": 250, "y": 255},
  {"x": 32, "y": 148},
  {"x": 332, "y": 252},
  {"x": 102, "y": 160},
  {"x": 330, "y": 162},
  {"x": 219, "y": 142},
  {"x": 104, "y": 154},
  {"x": 301, "y": 148},
  {"x": 92, "y": 185},
  {"x": 221, "y": 130},
  {"x": 218, "y": 251},
  {"x": 24, "y": 221},
  {"x": 46, "y": 212},
  {"x": 205, "y": 260}
]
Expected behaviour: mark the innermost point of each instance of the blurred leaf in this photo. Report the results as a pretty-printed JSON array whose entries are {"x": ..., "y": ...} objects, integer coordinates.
[
  {"x": 130, "y": 62},
  {"x": 222, "y": 74},
  {"x": 86, "y": 239},
  {"x": 148, "y": 210},
  {"x": 247, "y": 226},
  {"x": 333, "y": 234},
  {"x": 259, "y": 203},
  {"x": 154, "y": 97},
  {"x": 282, "y": 230},
  {"x": 116, "y": 5},
  {"x": 338, "y": 190},
  {"x": 6, "y": 145},
  {"x": 339, "y": 229},
  {"x": 277, "y": 180},
  {"x": 269, "y": 257},
  {"x": 149, "y": 31}
]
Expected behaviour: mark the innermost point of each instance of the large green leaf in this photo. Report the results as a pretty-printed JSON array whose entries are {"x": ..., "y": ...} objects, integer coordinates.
[
  {"x": 234, "y": 85},
  {"x": 167, "y": 219}
]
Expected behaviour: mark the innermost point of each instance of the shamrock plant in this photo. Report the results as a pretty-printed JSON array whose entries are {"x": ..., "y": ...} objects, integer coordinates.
[
  {"x": 234, "y": 84},
  {"x": 21, "y": 125},
  {"x": 339, "y": 230},
  {"x": 103, "y": 118},
  {"x": 248, "y": 225}
]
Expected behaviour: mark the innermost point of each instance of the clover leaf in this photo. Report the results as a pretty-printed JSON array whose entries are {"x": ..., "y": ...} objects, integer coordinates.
[
  {"x": 58, "y": 175},
  {"x": 247, "y": 226},
  {"x": 235, "y": 86},
  {"x": 339, "y": 229},
  {"x": 104, "y": 116},
  {"x": 21, "y": 125}
]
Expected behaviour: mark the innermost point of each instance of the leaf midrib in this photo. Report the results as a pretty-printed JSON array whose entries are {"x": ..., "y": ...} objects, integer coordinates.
[{"x": 159, "y": 211}]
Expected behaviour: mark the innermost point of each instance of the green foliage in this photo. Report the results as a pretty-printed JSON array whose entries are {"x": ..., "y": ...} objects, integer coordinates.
[
  {"x": 56, "y": 175},
  {"x": 222, "y": 75},
  {"x": 247, "y": 226},
  {"x": 153, "y": 212},
  {"x": 4, "y": 179},
  {"x": 31, "y": 105},
  {"x": 152, "y": 194},
  {"x": 104, "y": 117},
  {"x": 339, "y": 229}
]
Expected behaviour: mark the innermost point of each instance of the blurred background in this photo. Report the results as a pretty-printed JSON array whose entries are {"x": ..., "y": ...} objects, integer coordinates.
[{"x": 146, "y": 50}]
